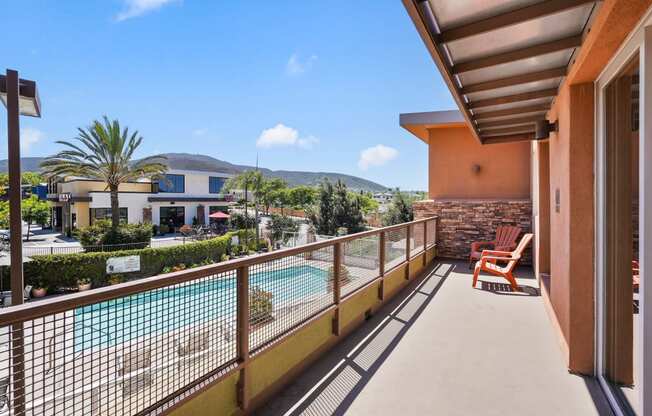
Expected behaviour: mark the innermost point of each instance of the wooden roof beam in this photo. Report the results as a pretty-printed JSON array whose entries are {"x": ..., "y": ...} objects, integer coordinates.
[
  {"x": 515, "y": 80},
  {"x": 514, "y": 17},
  {"x": 511, "y": 121},
  {"x": 511, "y": 138},
  {"x": 507, "y": 99},
  {"x": 512, "y": 111},
  {"x": 519, "y": 54}
]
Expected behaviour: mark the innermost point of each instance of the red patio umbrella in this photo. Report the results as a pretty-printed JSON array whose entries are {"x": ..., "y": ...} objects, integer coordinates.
[{"x": 219, "y": 214}]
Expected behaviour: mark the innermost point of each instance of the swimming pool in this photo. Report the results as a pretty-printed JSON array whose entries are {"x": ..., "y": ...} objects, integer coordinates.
[{"x": 159, "y": 311}]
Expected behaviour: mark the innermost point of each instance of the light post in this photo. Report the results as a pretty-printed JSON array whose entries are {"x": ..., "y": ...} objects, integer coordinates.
[{"x": 20, "y": 96}]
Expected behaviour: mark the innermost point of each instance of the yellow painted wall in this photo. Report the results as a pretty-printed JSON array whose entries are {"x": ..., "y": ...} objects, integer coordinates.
[
  {"x": 394, "y": 280},
  {"x": 219, "y": 399},
  {"x": 358, "y": 304},
  {"x": 83, "y": 214},
  {"x": 274, "y": 363},
  {"x": 416, "y": 265},
  {"x": 84, "y": 187},
  {"x": 268, "y": 367}
]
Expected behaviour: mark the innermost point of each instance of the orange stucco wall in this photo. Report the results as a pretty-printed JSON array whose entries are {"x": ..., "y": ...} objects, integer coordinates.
[
  {"x": 572, "y": 230},
  {"x": 504, "y": 168}
]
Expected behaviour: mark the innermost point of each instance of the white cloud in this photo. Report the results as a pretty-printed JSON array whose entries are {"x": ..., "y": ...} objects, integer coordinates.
[
  {"x": 199, "y": 132},
  {"x": 29, "y": 137},
  {"x": 296, "y": 66},
  {"x": 135, "y": 8},
  {"x": 282, "y": 135},
  {"x": 376, "y": 156}
]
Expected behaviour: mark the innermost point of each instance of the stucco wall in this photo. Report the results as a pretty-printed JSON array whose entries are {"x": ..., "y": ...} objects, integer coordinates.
[{"x": 504, "y": 168}]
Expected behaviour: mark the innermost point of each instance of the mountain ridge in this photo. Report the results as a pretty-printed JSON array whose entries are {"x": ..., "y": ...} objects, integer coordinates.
[{"x": 205, "y": 163}]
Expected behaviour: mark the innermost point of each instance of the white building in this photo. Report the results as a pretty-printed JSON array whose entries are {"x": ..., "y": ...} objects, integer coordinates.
[{"x": 181, "y": 197}]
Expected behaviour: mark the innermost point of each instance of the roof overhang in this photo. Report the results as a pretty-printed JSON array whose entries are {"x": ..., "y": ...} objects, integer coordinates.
[
  {"x": 419, "y": 123},
  {"x": 503, "y": 60}
]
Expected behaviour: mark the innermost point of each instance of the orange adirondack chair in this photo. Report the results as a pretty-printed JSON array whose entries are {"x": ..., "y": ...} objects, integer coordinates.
[
  {"x": 489, "y": 258},
  {"x": 636, "y": 274},
  {"x": 506, "y": 236}
]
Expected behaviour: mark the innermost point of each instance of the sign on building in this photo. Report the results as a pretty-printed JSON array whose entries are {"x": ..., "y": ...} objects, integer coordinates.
[
  {"x": 65, "y": 197},
  {"x": 123, "y": 264}
]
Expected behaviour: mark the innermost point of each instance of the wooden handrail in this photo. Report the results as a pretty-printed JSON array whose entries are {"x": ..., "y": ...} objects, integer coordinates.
[{"x": 46, "y": 307}]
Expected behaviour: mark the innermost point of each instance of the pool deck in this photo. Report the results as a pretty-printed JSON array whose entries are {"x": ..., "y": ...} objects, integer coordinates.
[{"x": 442, "y": 347}]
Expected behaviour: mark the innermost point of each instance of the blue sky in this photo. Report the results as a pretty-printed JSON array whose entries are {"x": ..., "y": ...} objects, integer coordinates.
[{"x": 308, "y": 85}]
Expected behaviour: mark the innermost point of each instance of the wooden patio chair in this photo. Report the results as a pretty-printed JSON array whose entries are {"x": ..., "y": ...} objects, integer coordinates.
[
  {"x": 636, "y": 275},
  {"x": 505, "y": 240},
  {"x": 489, "y": 258}
]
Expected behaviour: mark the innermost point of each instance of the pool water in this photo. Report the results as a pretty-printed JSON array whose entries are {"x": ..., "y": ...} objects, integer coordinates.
[{"x": 158, "y": 311}]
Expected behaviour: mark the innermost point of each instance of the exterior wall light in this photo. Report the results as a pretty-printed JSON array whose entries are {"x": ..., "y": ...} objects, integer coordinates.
[{"x": 476, "y": 169}]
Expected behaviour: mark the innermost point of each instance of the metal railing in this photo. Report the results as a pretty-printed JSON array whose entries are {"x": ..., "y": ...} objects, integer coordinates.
[{"x": 144, "y": 345}]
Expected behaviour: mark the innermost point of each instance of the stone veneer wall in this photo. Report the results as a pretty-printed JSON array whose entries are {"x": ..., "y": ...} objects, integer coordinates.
[{"x": 463, "y": 221}]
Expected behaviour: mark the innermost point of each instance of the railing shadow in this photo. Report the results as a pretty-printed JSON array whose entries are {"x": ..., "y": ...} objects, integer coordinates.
[
  {"x": 332, "y": 384},
  {"x": 506, "y": 290}
]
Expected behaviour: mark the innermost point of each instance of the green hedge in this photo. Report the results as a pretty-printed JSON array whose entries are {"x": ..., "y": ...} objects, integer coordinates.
[{"x": 63, "y": 270}]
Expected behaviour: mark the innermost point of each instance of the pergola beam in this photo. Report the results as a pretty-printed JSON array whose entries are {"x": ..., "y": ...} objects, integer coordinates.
[
  {"x": 508, "y": 130},
  {"x": 511, "y": 138},
  {"x": 519, "y": 54},
  {"x": 510, "y": 121},
  {"x": 514, "y": 98},
  {"x": 512, "y": 111},
  {"x": 514, "y": 17},
  {"x": 515, "y": 80}
]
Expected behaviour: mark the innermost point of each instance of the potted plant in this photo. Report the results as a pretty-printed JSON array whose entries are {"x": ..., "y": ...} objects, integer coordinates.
[
  {"x": 115, "y": 279},
  {"x": 83, "y": 283},
  {"x": 39, "y": 290},
  {"x": 260, "y": 306}
]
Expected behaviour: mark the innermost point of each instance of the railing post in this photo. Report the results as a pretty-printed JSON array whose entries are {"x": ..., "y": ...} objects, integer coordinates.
[
  {"x": 407, "y": 251},
  {"x": 381, "y": 265},
  {"x": 425, "y": 243},
  {"x": 243, "y": 335},
  {"x": 337, "y": 268}
]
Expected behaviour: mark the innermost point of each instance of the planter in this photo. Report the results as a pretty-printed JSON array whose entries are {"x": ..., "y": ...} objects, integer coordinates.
[
  {"x": 39, "y": 292},
  {"x": 83, "y": 286}
]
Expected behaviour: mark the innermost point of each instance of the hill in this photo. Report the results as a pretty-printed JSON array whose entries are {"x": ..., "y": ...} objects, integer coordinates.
[{"x": 205, "y": 163}]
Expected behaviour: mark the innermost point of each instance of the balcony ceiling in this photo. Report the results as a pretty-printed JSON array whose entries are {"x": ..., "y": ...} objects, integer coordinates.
[{"x": 503, "y": 60}]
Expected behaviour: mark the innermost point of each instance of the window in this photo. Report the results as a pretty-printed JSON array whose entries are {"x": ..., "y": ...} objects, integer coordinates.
[
  {"x": 215, "y": 184},
  {"x": 105, "y": 214},
  {"x": 173, "y": 184},
  {"x": 172, "y": 216}
]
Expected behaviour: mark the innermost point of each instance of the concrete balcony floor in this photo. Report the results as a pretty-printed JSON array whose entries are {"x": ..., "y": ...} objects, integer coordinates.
[{"x": 441, "y": 347}]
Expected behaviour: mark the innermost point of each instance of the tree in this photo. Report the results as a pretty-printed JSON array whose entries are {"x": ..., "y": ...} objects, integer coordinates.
[
  {"x": 270, "y": 191},
  {"x": 31, "y": 178},
  {"x": 337, "y": 209},
  {"x": 303, "y": 196},
  {"x": 280, "y": 224},
  {"x": 247, "y": 180},
  {"x": 104, "y": 152},
  {"x": 34, "y": 211},
  {"x": 400, "y": 210}
]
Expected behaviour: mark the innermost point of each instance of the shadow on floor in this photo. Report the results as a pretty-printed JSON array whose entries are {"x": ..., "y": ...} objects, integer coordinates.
[
  {"x": 335, "y": 381},
  {"x": 506, "y": 289}
]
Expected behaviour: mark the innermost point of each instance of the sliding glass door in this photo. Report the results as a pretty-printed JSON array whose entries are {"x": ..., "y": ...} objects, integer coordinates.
[{"x": 624, "y": 190}]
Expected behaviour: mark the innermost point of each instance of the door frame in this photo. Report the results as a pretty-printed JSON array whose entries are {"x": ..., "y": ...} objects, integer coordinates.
[{"x": 639, "y": 42}]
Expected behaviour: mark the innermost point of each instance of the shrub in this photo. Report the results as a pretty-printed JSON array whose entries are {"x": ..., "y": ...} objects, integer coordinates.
[
  {"x": 345, "y": 277},
  {"x": 64, "y": 270},
  {"x": 260, "y": 306},
  {"x": 101, "y": 234},
  {"x": 238, "y": 221}
]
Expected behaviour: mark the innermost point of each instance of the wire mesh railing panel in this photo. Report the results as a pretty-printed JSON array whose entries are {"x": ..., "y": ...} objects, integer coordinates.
[
  {"x": 395, "y": 246},
  {"x": 288, "y": 291},
  {"x": 416, "y": 239},
  {"x": 121, "y": 356},
  {"x": 431, "y": 232},
  {"x": 360, "y": 263}
]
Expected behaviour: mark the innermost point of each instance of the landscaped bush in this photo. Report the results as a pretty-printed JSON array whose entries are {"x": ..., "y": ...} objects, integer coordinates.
[
  {"x": 100, "y": 235},
  {"x": 260, "y": 306},
  {"x": 63, "y": 270}
]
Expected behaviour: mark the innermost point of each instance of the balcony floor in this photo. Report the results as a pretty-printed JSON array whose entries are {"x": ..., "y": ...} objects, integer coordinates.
[{"x": 442, "y": 347}]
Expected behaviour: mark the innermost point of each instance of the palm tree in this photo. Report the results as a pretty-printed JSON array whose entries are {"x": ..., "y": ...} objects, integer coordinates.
[{"x": 104, "y": 152}]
